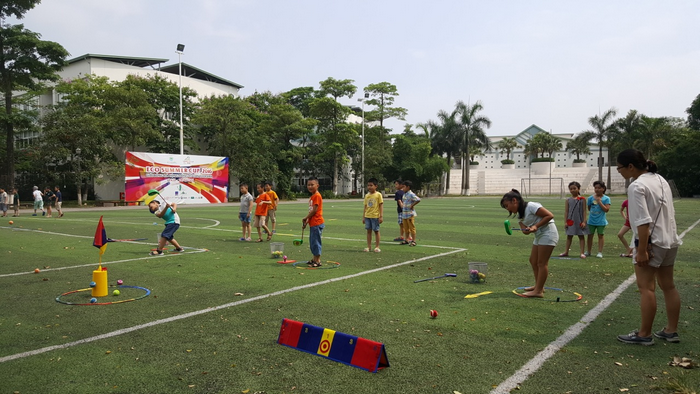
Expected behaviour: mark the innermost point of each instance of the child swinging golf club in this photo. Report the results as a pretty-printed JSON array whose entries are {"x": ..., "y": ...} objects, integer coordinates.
[
  {"x": 534, "y": 219},
  {"x": 167, "y": 212}
]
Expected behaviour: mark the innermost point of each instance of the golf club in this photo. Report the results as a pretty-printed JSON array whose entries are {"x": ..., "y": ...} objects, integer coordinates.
[{"x": 437, "y": 277}]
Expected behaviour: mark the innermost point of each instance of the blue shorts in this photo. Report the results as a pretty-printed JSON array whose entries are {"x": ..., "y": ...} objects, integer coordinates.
[
  {"x": 244, "y": 217},
  {"x": 400, "y": 218},
  {"x": 315, "y": 233},
  {"x": 169, "y": 232},
  {"x": 372, "y": 224}
]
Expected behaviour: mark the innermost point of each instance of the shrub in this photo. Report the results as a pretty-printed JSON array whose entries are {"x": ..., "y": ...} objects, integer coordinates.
[
  {"x": 542, "y": 159},
  {"x": 579, "y": 160},
  {"x": 473, "y": 163},
  {"x": 507, "y": 161}
]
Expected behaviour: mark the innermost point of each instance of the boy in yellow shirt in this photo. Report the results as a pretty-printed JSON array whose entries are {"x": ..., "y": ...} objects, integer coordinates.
[{"x": 373, "y": 214}]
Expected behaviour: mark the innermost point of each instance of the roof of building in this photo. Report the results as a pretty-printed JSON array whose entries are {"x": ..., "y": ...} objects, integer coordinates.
[
  {"x": 129, "y": 60},
  {"x": 191, "y": 71},
  {"x": 155, "y": 63}
]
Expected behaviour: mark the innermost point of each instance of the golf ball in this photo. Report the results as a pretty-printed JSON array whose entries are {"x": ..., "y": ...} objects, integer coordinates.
[
  {"x": 93, "y": 284},
  {"x": 11, "y": 222},
  {"x": 36, "y": 271},
  {"x": 433, "y": 313},
  {"x": 116, "y": 292},
  {"x": 155, "y": 223},
  {"x": 120, "y": 282},
  {"x": 93, "y": 300}
]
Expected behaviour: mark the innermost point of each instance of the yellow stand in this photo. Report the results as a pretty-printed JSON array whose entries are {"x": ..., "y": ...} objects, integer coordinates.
[{"x": 99, "y": 276}]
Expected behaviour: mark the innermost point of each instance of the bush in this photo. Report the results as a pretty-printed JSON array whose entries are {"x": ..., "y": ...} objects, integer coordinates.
[
  {"x": 542, "y": 159},
  {"x": 507, "y": 161},
  {"x": 473, "y": 163},
  {"x": 579, "y": 160},
  {"x": 327, "y": 194}
]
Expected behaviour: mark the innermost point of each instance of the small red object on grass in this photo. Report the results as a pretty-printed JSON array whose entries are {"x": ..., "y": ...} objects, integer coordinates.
[{"x": 433, "y": 313}]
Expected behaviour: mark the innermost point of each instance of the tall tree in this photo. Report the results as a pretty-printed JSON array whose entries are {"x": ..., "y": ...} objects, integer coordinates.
[
  {"x": 444, "y": 132},
  {"x": 413, "y": 161},
  {"x": 334, "y": 135},
  {"x": 472, "y": 126},
  {"x": 26, "y": 62},
  {"x": 604, "y": 127},
  {"x": 382, "y": 96},
  {"x": 694, "y": 114}
]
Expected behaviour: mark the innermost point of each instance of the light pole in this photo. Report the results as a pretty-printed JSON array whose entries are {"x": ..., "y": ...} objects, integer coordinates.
[
  {"x": 80, "y": 194},
  {"x": 362, "y": 184},
  {"x": 180, "y": 49}
]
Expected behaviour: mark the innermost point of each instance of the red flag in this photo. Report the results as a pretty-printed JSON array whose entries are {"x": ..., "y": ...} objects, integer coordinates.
[{"x": 100, "y": 237}]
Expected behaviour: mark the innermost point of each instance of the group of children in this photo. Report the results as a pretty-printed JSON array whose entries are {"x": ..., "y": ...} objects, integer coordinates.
[
  {"x": 265, "y": 211},
  {"x": 577, "y": 223},
  {"x": 43, "y": 201},
  {"x": 373, "y": 213}
]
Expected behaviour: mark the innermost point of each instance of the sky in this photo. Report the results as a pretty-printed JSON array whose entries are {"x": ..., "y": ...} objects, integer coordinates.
[{"x": 549, "y": 63}]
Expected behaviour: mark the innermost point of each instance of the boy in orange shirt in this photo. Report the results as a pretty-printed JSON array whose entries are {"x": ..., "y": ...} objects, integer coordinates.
[
  {"x": 315, "y": 220},
  {"x": 271, "y": 213},
  {"x": 262, "y": 204}
]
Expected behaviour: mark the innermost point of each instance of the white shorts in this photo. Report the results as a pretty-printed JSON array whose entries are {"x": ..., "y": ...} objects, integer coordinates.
[{"x": 547, "y": 236}]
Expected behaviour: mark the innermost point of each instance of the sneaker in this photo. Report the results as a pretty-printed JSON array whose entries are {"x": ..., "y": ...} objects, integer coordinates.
[
  {"x": 377, "y": 250},
  {"x": 365, "y": 250},
  {"x": 599, "y": 255},
  {"x": 399, "y": 239},
  {"x": 668, "y": 337},
  {"x": 587, "y": 253},
  {"x": 61, "y": 215},
  {"x": 241, "y": 239},
  {"x": 34, "y": 214},
  {"x": 156, "y": 253},
  {"x": 274, "y": 231},
  {"x": 635, "y": 339},
  {"x": 248, "y": 239},
  {"x": 179, "y": 249},
  {"x": 43, "y": 213}
]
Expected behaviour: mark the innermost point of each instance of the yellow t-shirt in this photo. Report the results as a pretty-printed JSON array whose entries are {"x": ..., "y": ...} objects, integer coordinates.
[
  {"x": 273, "y": 198},
  {"x": 372, "y": 202}
]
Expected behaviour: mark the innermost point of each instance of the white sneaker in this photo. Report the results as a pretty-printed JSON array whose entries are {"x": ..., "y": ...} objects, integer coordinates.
[
  {"x": 365, "y": 250},
  {"x": 377, "y": 250},
  {"x": 599, "y": 255}
]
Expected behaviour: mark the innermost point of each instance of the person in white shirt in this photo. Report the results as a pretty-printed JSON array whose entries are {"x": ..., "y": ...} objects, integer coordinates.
[
  {"x": 653, "y": 223},
  {"x": 38, "y": 201}
]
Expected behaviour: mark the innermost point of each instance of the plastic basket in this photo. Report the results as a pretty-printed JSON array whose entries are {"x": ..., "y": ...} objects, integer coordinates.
[
  {"x": 277, "y": 250},
  {"x": 477, "y": 272}
]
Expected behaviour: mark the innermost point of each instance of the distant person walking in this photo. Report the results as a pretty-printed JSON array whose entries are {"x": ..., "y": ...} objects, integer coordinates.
[
  {"x": 15, "y": 201},
  {"x": 38, "y": 201},
  {"x": 653, "y": 221},
  {"x": 58, "y": 198},
  {"x": 4, "y": 200}
]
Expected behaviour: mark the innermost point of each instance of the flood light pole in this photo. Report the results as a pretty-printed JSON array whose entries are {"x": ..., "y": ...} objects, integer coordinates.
[
  {"x": 362, "y": 184},
  {"x": 180, "y": 49}
]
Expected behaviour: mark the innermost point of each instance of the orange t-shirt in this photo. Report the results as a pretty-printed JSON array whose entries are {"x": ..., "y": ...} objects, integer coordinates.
[
  {"x": 273, "y": 198},
  {"x": 260, "y": 208},
  {"x": 317, "y": 219}
]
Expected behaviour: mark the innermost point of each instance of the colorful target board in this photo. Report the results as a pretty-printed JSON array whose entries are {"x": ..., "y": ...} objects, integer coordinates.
[{"x": 337, "y": 346}]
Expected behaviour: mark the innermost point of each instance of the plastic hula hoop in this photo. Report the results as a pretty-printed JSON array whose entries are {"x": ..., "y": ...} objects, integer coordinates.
[
  {"x": 326, "y": 266},
  {"x": 578, "y": 295},
  {"x": 148, "y": 292}
]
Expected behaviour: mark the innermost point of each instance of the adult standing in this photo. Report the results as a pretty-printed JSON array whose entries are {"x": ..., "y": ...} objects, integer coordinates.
[
  {"x": 38, "y": 200},
  {"x": 653, "y": 223}
]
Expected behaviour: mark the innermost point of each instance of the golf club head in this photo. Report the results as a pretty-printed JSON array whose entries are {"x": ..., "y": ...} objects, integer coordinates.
[
  {"x": 153, "y": 192},
  {"x": 506, "y": 224},
  {"x": 454, "y": 275}
]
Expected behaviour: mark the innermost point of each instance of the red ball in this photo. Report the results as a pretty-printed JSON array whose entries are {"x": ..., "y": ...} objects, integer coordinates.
[{"x": 433, "y": 313}]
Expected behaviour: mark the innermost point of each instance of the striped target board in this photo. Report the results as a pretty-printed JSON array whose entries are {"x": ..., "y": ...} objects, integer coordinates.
[{"x": 337, "y": 346}]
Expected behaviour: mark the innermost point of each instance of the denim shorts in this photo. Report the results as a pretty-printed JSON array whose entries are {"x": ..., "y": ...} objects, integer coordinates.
[
  {"x": 169, "y": 232},
  {"x": 244, "y": 217},
  {"x": 372, "y": 224},
  {"x": 315, "y": 233}
]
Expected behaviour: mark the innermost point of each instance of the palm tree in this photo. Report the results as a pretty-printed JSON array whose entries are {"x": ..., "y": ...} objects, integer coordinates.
[
  {"x": 652, "y": 133},
  {"x": 507, "y": 145},
  {"x": 580, "y": 145},
  {"x": 604, "y": 127},
  {"x": 442, "y": 137},
  {"x": 552, "y": 144},
  {"x": 471, "y": 125}
]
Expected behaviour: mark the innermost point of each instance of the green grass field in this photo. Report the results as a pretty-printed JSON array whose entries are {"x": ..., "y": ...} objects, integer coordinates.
[{"x": 211, "y": 322}]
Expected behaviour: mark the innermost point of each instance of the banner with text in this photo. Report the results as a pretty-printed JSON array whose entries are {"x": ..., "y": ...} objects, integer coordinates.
[{"x": 183, "y": 179}]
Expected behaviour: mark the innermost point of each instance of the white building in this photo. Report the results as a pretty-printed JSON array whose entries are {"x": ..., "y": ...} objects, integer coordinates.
[{"x": 117, "y": 68}]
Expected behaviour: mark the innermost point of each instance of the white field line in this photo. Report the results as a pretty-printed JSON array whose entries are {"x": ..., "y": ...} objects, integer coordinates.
[
  {"x": 572, "y": 332},
  {"x": 193, "y": 250},
  {"x": 212, "y": 309},
  {"x": 216, "y": 222}
]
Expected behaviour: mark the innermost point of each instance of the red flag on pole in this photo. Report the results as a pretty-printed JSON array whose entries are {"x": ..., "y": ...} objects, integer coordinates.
[{"x": 100, "y": 237}]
